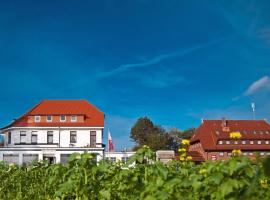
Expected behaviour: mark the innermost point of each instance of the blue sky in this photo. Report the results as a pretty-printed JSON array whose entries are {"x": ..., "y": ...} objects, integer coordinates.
[{"x": 173, "y": 61}]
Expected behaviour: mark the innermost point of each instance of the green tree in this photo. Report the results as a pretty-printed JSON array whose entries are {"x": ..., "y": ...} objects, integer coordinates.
[
  {"x": 173, "y": 139},
  {"x": 187, "y": 134},
  {"x": 144, "y": 132}
]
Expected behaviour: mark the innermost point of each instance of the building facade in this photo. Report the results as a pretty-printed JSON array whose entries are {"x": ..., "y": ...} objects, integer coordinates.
[
  {"x": 212, "y": 141},
  {"x": 120, "y": 156},
  {"x": 53, "y": 130}
]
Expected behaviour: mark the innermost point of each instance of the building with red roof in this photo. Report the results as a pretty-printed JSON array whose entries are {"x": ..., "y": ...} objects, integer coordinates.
[
  {"x": 52, "y": 130},
  {"x": 212, "y": 141}
]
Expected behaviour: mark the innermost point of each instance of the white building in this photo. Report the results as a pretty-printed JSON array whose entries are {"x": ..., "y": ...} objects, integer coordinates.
[
  {"x": 120, "y": 156},
  {"x": 53, "y": 130}
]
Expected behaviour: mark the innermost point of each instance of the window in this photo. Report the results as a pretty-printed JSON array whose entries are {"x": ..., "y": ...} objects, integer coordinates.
[
  {"x": 227, "y": 142},
  {"x": 250, "y": 153},
  {"x": 37, "y": 118},
  {"x": 124, "y": 159},
  {"x": 11, "y": 158},
  {"x": 92, "y": 138},
  {"x": 49, "y": 118},
  {"x": 221, "y": 153},
  {"x": 243, "y": 142},
  {"x": 64, "y": 158},
  {"x": 62, "y": 118},
  {"x": 113, "y": 159},
  {"x": 267, "y": 142},
  {"x": 267, "y": 132},
  {"x": 259, "y": 142},
  {"x": 254, "y": 132},
  {"x": 262, "y": 153},
  {"x": 74, "y": 118},
  {"x": 73, "y": 136},
  {"x": 251, "y": 142},
  {"x": 229, "y": 154},
  {"x": 220, "y": 142},
  {"x": 9, "y": 137},
  {"x": 268, "y": 153},
  {"x": 50, "y": 137},
  {"x": 217, "y": 132},
  {"x": 235, "y": 142},
  {"x": 245, "y": 153},
  {"x": 22, "y": 137},
  {"x": 29, "y": 158},
  {"x": 34, "y": 137}
]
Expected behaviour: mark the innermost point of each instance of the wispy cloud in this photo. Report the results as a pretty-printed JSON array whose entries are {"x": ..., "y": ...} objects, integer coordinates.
[
  {"x": 161, "y": 78},
  {"x": 261, "y": 84},
  {"x": 158, "y": 59}
]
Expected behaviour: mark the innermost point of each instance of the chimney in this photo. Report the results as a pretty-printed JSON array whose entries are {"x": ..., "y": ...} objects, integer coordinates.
[{"x": 224, "y": 122}]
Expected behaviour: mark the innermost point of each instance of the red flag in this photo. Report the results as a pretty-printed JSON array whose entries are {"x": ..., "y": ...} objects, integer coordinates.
[{"x": 110, "y": 142}]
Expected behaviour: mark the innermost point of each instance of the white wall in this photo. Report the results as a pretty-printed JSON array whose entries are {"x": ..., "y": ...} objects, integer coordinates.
[
  {"x": 119, "y": 155},
  {"x": 83, "y": 136},
  {"x": 53, "y": 152}
]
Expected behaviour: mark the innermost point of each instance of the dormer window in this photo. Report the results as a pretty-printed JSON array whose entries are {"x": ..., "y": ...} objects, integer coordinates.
[
  {"x": 73, "y": 118},
  {"x": 37, "y": 118},
  {"x": 62, "y": 118},
  {"x": 49, "y": 118}
]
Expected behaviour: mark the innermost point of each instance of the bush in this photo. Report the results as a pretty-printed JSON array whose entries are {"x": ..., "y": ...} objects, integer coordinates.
[{"x": 82, "y": 178}]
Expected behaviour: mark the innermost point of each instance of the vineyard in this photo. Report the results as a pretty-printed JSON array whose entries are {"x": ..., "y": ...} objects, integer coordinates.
[{"x": 237, "y": 178}]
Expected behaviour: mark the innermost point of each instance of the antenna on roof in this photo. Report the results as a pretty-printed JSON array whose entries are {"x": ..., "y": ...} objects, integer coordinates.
[{"x": 253, "y": 110}]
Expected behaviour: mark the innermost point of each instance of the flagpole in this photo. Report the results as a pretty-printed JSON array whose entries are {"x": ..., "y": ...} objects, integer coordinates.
[{"x": 108, "y": 145}]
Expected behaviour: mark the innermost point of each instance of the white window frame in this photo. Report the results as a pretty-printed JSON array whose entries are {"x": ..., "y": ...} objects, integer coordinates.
[
  {"x": 243, "y": 141},
  {"x": 37, "y": 118},
  {"x": 75, "y": 118},
  {"x": 73, "y": 134},
  {"x": 220, "y": 142},
  {"x": 251, "y": 142},
  {"x": 48, "y": 119},
  {"x": 34, "y": 133},
  {"x": 262, "y": 153},
  {"x": 61, "y": 120},
  {"x": 228, "y": 142},
  {"x": 267, "y": 142},
  {"x": 23, "y": 135},
  {"x": 259, "y": 142},
  {"x": 221, "y": 153}
]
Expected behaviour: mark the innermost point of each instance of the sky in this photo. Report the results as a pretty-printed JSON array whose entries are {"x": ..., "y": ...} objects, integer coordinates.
[{"x": 175, "y": 62}]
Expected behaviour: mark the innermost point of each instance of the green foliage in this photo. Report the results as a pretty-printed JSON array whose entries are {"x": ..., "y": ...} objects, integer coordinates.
[
  {"x": 144, "y": 132},
  {"x": 82, "y": 178}
]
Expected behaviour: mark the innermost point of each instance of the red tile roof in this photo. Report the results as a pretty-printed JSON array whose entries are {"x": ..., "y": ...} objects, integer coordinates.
[
  {"x": 93, "y": 117},
  {"x": 210, "y": 131}
]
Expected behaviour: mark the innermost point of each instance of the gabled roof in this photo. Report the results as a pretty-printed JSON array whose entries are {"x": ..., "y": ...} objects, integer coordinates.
[
  {"x": 93, "y": 116},
  {"x": 210, "y": 131}
]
